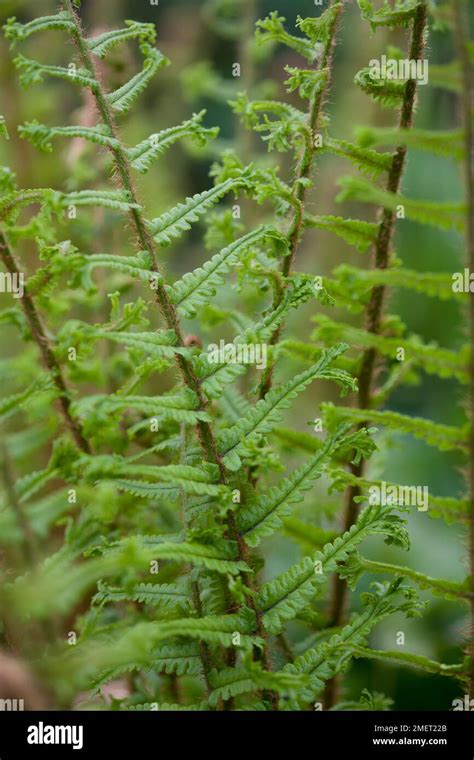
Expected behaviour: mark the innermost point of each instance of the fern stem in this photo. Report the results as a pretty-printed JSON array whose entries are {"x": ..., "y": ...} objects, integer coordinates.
[
  {"x": 144, "y": 239},
  {"x": 303, "y": 171},
  {"x": 461, "y": 20},
  {"x": 374, "y": 314},
  {"x": 168, "y": 311},
  {"x": 39, "y": 333}
]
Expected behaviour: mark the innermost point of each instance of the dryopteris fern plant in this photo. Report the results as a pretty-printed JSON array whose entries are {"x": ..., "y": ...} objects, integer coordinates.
[{"x": 168, "y": 495}]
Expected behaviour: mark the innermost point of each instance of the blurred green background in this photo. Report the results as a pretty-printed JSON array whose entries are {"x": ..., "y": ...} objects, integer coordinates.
[{"x": 190, "y": 32}]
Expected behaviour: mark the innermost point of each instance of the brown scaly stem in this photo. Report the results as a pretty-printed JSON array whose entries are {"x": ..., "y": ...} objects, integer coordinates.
[
  {"x": 167, "y": 309},
  {"x": 39, "y": 333},
  {"x": 461, "y": 21},
  {"x": 303, "y": 171},
  {"x": 373, "y": 319}
]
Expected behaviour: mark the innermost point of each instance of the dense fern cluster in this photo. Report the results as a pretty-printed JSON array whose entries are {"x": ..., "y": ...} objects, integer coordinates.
[{"x": 166, "y": 498}]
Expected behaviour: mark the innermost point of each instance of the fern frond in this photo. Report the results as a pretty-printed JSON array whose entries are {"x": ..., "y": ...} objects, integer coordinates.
[
  {"x": 439, "y": 586},
  {"x": 197, "y": 288},
  {"x": 181, "y": 658},
  {"x": 353, "y": 231},
  {"x": 267, "y": 412},
  {"x": 138, "y": 550},
  {"x": 118, "y": 200},
  {"x": 400, "y": 14},
  {"x": 106, "y": 41},
  {"x": 451, "y": 510},
  {"x": 171, "y": 225},
  {"x": 449, "y": 143},
  {"x": 413, "y": 660},
  {"x": 433, "y": 284},
  {"x": 17, "y": 32},
  {"x": 283, "y": 598},
  {"x": 191, "y": 479},
  {"x": 158, "y": 344},
  {"x": 32, "y": 72},
  {"x": 434, "y": 359},
  {"x": 369, "y": 161},
  {"x": 262, "y": 517},
  {"x": 322, "y": 662},
  {"x": 232, "y": 682},
  {"x": 215, "y": 377},
  {"x": 387, "y": 92},
  {"x": 123, "y": 98},
  {"x": 13, "y": 404},
  {"x": 161, "y": 595},
  {"x": 443, "y": 437},
  {"x": 40, "y": 135},
  {"x": 136, "y": 266},
  {"x": 170, "y": 407},
  {"x": 135, "y": 646},
  {"x": 444, "y": 215},
  {"x": 272, "y": 29},
  {"x": 142, "y": 155}
]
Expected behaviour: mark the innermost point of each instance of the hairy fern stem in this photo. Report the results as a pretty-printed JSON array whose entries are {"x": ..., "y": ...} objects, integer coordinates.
[
  {"x": 170, "y": 316},
  {"x": 303, "y": 172},
  {"x": 374, "y": 316},
  {"x": 39, "y": 332}
]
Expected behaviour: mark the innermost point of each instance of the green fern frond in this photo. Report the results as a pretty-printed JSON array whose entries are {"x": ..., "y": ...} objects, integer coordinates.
[
  {"x": 449, "y": 509},
  {"x": 283, "y": 598},
  {"x": 171, "y": 225},
  {"x": 142, "y": 155},
  {"x": 16, "y": 32},
  {"x": 272, "y": 29},
  {"x": 106, "y": 41},
  {"x": 443, "y": 437},
  {"x": 444, "y": 215},
  {"x": 433, "y": 284},
  {"x": 119, "y": 200},
  {"x": 160, "y": 595},
  {"x": 215, "y": 377},
  {"x": 157, "y": 344},
  {"x": 232, "y": 682},
  {"x": 394, "y": 16},
  {"x": 353, "y": 231},
  {"x": 166, "y": 406},
  {"x": 233, "y": 443},
  {"x": 40, "y": 135},
  {"x": 434, "y": 359},
  {"x": 137, "y": 551},
  {"x": 122, "y": 99},
  {"x": 322, "y": 662},
  {"x": 263, "y": 516},
  {"x": 439, "y": 586},
  {"x": 449, "y": 143},
  {"x": 369, "y": 161},
  {"x": 33, "y": 72},
  {"x": 387, "y": 92},
  {"x": 197, "y": 288},
  {"x": 413, "y": 660}
]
